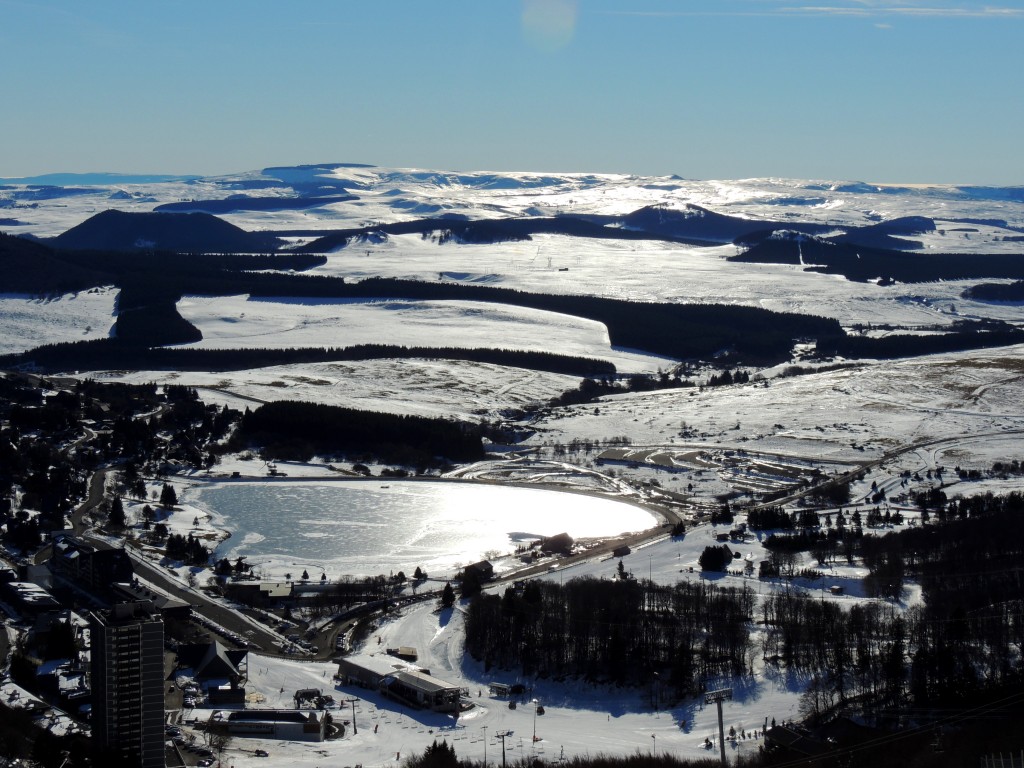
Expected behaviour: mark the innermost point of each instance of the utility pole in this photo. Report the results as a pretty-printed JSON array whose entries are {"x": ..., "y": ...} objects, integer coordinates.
[
  {"x": 355, "y": 731},
  {"x": 722, "y": 694},
  {"x": 501, "y": 735},
  {"x": 484, "y": 729}
]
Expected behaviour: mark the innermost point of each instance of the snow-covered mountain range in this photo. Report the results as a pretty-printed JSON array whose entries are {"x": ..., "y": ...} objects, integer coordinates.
[{"x": 333, "y": 196}]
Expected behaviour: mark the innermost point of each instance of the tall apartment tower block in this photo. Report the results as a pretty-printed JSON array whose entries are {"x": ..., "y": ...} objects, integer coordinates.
[{"x": 127, "y": 663}]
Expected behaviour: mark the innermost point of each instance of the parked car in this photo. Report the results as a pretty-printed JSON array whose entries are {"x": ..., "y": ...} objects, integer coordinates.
[
  {"x": 262, "y": 753},
  {"x": 206, "y": 762}
]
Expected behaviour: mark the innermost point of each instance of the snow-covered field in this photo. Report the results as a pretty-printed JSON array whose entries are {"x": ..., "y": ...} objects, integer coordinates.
[
  {"x": 30, "y": 321},
  {"x": 242, "y": 322}
]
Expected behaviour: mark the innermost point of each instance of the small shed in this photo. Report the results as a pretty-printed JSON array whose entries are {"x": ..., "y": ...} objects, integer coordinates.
[{"x": 404, "y": 652}]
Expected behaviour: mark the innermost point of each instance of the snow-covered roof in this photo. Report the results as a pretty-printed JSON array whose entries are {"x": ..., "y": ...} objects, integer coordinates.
[{"x": 423, "y": 682}]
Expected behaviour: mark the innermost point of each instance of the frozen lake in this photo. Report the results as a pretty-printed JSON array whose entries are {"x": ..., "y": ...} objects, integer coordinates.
[{"x": 364, "y": 527}]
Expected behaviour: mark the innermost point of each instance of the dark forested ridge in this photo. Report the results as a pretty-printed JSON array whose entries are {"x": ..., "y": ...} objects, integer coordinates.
[
  {"x": 181, "y": 232},
  {"x": 33, "y": 267},
  {"x": 691, "y": 224},
  {"x": 127, "y": 351},
  {"x": 619, "y": 630},
  {"x": 157, "y": 323},
  {"x": 890, "y": 234},
  {"x": 298, "y": 430},
  {"x": 967, "y": 635},
  {"x": 913, "y": 345},
  {"x": 1009, "y": 292},
  {"x": 446, "y": 229},
  {"x": 120, "y": 265},
  {"x": 865, "y": 262}
]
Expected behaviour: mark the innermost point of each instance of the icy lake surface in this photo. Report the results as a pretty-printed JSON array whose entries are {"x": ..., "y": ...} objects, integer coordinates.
[{"x": 371, "y": 527}]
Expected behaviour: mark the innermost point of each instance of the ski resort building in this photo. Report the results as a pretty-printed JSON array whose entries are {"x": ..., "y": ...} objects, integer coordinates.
[
  {"x": 415, "y": 687},
  {"x": 290, "y": 724},
  {"x": 422, "y": 690}
]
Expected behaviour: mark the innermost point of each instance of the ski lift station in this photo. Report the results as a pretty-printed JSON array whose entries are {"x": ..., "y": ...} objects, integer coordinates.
[{"x": 414, "y": 687}]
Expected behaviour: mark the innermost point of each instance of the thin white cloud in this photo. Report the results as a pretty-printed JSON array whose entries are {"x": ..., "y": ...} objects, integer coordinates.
[
  {"x": 865, "y": 9},
  {"x": 874, "y": 10}
]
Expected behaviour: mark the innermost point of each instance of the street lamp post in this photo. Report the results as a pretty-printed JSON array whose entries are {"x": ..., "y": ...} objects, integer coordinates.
[{"x": 484, "y": 729}]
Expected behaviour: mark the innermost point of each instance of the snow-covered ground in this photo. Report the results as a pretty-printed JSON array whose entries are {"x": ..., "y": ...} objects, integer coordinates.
[
  {"x": 578, "y": 718},
  {"x": 691, "y": 448},
  {"x": 29, "y": 321},
  {"x": 242, "y": 322}
]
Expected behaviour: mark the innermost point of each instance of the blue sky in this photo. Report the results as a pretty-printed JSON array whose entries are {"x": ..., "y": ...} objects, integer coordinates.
[{"x": 875, "y": 90}]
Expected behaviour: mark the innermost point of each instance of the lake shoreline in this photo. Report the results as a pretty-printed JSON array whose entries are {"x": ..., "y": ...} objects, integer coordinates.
[{"x": 425, "y": 538}]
